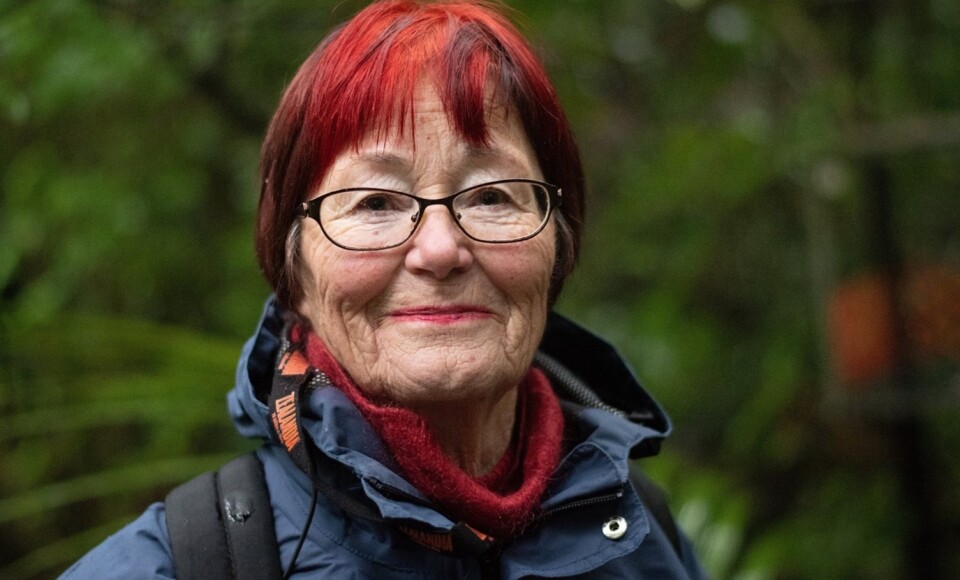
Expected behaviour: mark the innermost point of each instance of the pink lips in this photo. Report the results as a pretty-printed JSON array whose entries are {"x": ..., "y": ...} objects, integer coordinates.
[{"x": 441, "y": 314}]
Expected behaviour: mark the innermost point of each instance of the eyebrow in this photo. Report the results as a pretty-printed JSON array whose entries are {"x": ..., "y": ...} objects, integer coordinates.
[
  {"x": 386, "y": 159},
  {"x": 482, "y": 153}
]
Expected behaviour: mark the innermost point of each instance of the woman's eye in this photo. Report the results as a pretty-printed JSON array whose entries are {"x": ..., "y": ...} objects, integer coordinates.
[
  {"x": 491, "y": 196},
  {"x": 375, "y": 202}
]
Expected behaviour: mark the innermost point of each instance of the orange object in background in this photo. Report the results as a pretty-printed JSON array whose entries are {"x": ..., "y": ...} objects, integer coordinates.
[
  {"x": 862, "y": 324},
  {"x": 932, "y": 301},
  {"x": 860, "y": 319}
]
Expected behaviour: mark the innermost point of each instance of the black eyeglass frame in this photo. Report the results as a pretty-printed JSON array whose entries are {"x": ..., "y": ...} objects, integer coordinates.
[{"x": 311, "y": 209}]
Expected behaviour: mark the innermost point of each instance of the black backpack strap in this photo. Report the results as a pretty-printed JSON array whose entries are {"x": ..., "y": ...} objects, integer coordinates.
[
  {"x": 655, "y": 501},
  {"x": 221, "y": 525}
]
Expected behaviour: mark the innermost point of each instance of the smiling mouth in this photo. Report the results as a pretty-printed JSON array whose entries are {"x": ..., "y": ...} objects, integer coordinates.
[{"x": 441, "y": 314}]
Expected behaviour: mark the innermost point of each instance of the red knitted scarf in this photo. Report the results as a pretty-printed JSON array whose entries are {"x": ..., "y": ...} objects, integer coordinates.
[{"x": 499, "y": 503}]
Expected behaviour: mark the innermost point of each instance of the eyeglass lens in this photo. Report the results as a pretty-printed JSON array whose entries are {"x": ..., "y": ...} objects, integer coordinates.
[{"x": 373, "y": 219}]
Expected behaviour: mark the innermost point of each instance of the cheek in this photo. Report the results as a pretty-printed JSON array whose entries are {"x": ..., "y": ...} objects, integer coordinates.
[
  {"x": 523, "y": 271},
  {"x": 337, "y": 283}
]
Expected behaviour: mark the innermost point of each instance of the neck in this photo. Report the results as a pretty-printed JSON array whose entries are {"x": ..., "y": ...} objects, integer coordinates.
[{"x": 474, "y": 435}]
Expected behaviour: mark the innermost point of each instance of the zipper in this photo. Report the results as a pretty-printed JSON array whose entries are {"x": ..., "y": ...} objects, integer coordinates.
[
  {"x": 590, "y": 501},
  {"x": 395, "y": 493},
  {"x": 572, "y": 384}
]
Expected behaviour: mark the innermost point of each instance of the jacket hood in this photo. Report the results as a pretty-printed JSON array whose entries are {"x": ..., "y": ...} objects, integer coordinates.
[{"x": 588, "y": 374}]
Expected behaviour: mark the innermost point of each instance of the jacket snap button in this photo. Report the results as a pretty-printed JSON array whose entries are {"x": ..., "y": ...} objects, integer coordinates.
[{"x": 615, "y": 528}]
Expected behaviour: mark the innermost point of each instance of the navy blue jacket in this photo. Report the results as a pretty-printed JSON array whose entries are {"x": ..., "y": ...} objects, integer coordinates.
[{"x": 570, "y": 542}]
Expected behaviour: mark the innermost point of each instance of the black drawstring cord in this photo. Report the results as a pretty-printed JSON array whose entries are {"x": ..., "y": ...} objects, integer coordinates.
[{"x": 303, "y": 535}]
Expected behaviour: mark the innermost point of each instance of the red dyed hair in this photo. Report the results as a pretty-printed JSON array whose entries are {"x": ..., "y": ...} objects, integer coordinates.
[{"x": 362, "y": 77}]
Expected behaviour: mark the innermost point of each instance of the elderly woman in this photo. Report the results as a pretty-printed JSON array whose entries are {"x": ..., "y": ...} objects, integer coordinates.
[{"x": 423, "y": 412}]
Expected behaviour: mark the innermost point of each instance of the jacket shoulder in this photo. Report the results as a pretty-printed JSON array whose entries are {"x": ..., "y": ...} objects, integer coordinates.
[{"x": 139, "y": 550}]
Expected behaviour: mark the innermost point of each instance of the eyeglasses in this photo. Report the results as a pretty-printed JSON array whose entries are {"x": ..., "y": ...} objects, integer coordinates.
[{"x": 499, "y": 212}]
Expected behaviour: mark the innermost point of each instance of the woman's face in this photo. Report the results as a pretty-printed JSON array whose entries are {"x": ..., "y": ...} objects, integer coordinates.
[{"x": 440, "y": 318}]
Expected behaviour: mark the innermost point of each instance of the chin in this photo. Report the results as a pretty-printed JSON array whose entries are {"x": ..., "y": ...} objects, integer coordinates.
[{"x": 452, "y": 377}]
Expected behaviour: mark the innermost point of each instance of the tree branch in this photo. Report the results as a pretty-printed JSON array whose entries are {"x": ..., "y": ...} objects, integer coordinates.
[{"x": 900, "y": 136}]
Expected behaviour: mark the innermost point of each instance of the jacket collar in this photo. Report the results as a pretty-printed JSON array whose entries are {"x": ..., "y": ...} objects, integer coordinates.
[{"x": 601, "y": 368}]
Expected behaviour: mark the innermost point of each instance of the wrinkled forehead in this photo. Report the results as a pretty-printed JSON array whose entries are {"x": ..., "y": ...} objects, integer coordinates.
[{"x": 429, "y": 111}]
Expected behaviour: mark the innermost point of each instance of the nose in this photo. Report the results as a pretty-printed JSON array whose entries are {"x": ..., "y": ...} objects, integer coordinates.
[{"x": 438, "y": 247}]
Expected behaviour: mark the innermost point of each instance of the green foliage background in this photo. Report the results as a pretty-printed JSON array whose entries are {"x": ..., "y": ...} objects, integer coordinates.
[{"x": 735, "y": 149}]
